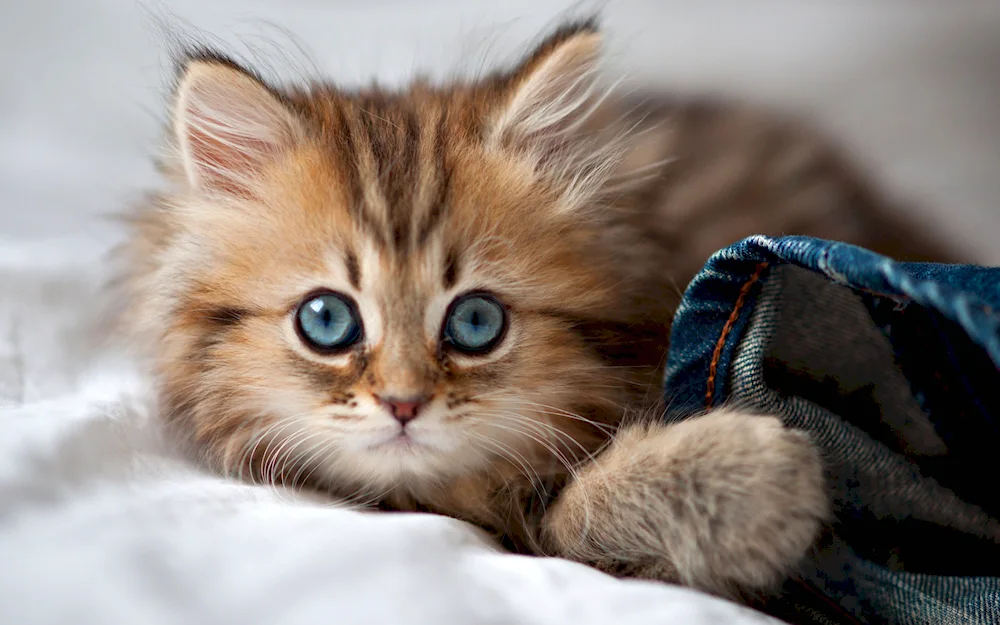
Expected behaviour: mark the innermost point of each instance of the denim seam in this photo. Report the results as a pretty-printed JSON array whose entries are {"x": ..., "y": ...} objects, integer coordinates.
[
  {"x": 812, "y": 589},
  {"x": 733, "y": 316}
]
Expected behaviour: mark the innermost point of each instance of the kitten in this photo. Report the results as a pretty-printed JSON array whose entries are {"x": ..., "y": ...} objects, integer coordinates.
[{"x": 447, "y": 298}]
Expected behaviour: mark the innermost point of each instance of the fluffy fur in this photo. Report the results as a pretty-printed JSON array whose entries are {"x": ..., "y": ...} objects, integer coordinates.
[{"x": 580, "y": 212}]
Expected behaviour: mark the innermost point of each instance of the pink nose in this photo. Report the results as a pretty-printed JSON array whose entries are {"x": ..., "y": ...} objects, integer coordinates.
[{"x": 404, "y": 409}]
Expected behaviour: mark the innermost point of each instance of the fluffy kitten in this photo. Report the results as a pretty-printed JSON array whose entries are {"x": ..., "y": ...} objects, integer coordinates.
[{"x": 447, "y": 298}]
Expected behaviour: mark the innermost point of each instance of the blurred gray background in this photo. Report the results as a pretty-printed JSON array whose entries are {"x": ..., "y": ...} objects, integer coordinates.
[{"x": 911, "y": 87}]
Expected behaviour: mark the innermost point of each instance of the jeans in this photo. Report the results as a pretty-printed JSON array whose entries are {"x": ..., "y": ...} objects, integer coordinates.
[{"x": 894, "y": 370}]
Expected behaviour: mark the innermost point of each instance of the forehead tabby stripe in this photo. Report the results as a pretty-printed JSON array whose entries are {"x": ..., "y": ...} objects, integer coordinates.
[
  {"x": 441, "y": 179},
  {"x": 353, "y": 269},
  {"x": 353, "y": 148},
  {"x": 450, "y": 269}
]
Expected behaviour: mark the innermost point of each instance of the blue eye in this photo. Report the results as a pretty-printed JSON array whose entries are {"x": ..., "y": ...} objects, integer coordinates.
[
  {"x": 328, "y": 322},
  {"x": 476, "y": 323}
]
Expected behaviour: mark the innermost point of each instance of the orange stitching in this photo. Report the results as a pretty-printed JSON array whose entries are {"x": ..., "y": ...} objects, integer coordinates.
[
  {"x": 733, "y": 316},
  {"x": 896, "y": 297}
]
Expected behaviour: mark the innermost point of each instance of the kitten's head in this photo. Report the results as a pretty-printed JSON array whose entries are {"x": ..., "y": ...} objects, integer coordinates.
[{"x": 369, "y": 290}]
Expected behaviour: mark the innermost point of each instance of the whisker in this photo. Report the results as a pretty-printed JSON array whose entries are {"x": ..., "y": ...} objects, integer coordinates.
[{"x": 513, "y": 456}]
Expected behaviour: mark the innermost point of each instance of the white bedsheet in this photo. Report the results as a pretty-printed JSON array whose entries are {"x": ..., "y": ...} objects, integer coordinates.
[{"x": 100, "y": 522}]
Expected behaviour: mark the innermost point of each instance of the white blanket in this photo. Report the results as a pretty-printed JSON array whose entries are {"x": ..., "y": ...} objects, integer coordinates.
[{"x": 101, "y": 522}]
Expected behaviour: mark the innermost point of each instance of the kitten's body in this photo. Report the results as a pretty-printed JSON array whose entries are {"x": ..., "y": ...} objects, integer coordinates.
[{"x": 584, "y": 221}]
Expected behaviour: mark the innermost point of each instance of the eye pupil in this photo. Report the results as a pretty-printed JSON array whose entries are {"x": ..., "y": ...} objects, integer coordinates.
[
  {"x": 328, "y": 322},
  {"x": 475, "y": 323}
]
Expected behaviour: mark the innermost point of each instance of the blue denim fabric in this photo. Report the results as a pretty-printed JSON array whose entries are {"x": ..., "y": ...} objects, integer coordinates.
[{"x": 894, "y": 370}]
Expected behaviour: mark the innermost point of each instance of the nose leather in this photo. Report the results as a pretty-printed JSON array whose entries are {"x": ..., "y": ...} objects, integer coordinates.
[{"x": 404, "y": 409}]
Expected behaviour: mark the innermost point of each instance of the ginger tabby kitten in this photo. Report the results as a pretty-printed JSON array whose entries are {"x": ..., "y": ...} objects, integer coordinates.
[{"x": 450, "y": 298}]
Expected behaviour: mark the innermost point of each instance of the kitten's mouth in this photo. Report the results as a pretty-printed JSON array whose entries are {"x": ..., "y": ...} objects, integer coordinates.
[{"x": 401, "y": 442}]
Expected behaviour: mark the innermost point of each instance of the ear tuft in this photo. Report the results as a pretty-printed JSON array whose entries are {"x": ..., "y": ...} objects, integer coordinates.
[
  {"x": 556, "y": 115},
  {"x": 553, "y": 91},
  {"x": 228, "y": 125}
]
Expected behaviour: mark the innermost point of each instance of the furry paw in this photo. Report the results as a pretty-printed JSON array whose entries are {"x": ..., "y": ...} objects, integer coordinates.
[{"x": 727, "y": 502}]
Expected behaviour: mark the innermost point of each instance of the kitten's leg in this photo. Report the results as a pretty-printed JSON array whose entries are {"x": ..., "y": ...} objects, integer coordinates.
[{"x": 726, "y": 502}]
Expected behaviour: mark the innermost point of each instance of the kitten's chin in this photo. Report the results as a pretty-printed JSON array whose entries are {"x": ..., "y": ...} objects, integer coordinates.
[{"x": 405, "y": 460}]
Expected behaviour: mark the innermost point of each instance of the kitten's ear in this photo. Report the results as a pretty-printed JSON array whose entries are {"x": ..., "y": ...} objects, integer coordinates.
[
  {"x": 228, "y": 125},
  {"x": 553, "y": 91}
]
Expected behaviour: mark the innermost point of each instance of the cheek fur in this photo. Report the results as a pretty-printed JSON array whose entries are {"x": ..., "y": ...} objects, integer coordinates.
[{"x": 549, "y": 386}]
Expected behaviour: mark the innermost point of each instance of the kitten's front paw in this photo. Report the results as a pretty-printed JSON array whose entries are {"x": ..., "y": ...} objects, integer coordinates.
[{"x": 724, "y": 502}]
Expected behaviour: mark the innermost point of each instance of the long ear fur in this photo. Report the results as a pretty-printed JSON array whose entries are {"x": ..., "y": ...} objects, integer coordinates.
[
  {"x": 228, "y": 125},
  {"x": 549, "y": 103},
  {"x": 553, "y": 89}
]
